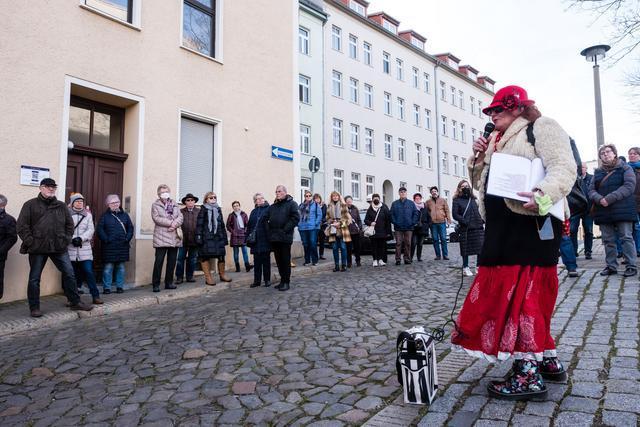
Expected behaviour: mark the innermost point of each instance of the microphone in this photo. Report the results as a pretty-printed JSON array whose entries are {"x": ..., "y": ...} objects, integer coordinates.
[{"x": 488, "y": 128}]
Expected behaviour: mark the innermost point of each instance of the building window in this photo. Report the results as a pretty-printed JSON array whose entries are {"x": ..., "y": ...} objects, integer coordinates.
[
  {"x": 336, "y": 38},
  {"x": 198, "y": 26},
  {"x": 429, "y": 158},
  {"x": 371, "y": 185},
  {"x": 368, "y": 95},
  {"x": 355, "y": 137},
  {"x": 417, "y": 43},
  {"x": 418, "y": 155},
  {"x": 427, "y": 119},
  {"x": 366, "y": 47},
  {"x": 461, "y": 99},
  {"x": 416, "y": 115},
  {"x": 446, "y": 195},
  {"x": 119, "y": 9},
  {"x": 453, "y": 95},
  {"x": 387, "y": 103},
  {"x": 479, "y": 108},
  {"x": 402, "y": 184},
  {"x": 388, "y": 147},
  {"x": 337, "y": 180},
  {"x": 419, "y": 188},
  {"x": 353, "y": 47},
  {"x": 386, "y": 63},
  {"x": 399, "y": 69},
  {"x": 355, "y": 186},
  {"x": 443, "y": 91},
  {"x": 463, "y": 166},
  {"x": 445, "y": 163},
  {"x": 196, "y": 172},
  {"x": 305, "y": 185},
  {"x": 462, "y": 132},
  {"x": 401, "y": 108},
  {"x": 389, "y": 26},
  {"x": 305, "y": 139},
  {"x": 427, "y": 82},
  {"x": 455, "y": 165},
  {"x": 304, "y": 89},
  {"x": 472, "y": 105},
  {"x": 303, "y": 41},
  {"x": 402, "y": 146},
  {"x": 336, "y": 88},
  {"x": 96, "y": 125},
  {"x": 454, "y": 130},
  {"x": 443, "y": 129},
  {"x": 357, "y": 7},
  {"x": 337, "y": 132},
  {"x": 368, "y": 141},
  {"x": 416, "y": 78},
  {"x": 353, "y": 90},
  {"x": 474, "y": 133}
]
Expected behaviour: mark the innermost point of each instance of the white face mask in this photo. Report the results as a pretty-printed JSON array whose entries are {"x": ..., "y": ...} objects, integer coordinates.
[{"x": 165, "y": 196}]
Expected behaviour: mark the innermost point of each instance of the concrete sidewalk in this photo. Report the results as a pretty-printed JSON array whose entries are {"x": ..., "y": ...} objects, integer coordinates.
[{"x": 14, "y": 316}]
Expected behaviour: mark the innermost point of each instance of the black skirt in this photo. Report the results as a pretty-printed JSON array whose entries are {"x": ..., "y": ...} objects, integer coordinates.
[{"x": 513, "y": 239}]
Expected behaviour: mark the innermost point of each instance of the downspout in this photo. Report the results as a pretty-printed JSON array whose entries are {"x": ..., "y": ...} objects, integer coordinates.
[
  {"x": 436, "y": 88},
  {"x": 324, "y": 130}
]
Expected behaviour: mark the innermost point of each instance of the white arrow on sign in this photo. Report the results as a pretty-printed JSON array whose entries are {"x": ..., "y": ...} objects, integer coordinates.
[{"x": 276, "y": 152}]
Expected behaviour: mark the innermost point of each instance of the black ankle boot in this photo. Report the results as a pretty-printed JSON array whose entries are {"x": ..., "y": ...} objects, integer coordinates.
[
  {"x": 284, "y": 287},
  {"x": 267, "y": 283},
  {"x": 237, "y": 267}
]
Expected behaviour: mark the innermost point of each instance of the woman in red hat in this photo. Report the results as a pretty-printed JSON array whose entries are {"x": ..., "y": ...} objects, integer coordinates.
[{"x": 508, "y": 309}]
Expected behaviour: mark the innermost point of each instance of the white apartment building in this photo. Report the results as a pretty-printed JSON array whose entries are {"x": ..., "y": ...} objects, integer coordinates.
[
  {"x": 311, "y": 20},
  {"x": 394, "y": 115}
]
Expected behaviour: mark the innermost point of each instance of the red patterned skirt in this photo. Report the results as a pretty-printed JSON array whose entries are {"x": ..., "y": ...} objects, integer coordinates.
[{"x": 508, "y": 312}]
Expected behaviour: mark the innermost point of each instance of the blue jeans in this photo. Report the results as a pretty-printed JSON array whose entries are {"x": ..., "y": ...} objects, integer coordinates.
[
  {"x": 587, "y": 227},
  {"x": 84, "y": 273},
  {"x": 310, "y": 244},
  {"x": 191, "y": 255},
  {"x": 63, "y": 264},
  {"x": 439, "y": 234},
  {"x": 636, "y": 234},
  {"x": 107, "y": 275},
  {"x": 339, "y": 248},
  {"x": 568, "y": 254},
  {"x": 236, "y": 255}
]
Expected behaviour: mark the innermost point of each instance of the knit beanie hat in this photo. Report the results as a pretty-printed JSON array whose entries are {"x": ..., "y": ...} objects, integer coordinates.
[{"x": 74, "y": 197}]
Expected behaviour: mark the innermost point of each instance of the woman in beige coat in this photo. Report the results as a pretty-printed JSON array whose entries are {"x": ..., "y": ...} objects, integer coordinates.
[{"x": 166, "y": 237}]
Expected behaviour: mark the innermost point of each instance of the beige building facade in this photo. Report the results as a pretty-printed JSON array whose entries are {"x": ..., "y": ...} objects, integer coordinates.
[{"x": 119, "y": 96}]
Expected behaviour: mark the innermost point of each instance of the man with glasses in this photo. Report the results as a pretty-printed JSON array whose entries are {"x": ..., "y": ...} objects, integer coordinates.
[
  {"x": 46, "y": 228},
  {"x": 189, "y": 250}
]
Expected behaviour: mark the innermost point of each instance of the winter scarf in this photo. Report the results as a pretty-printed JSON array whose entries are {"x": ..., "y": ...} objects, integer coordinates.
[
  {"x": 635, "y": 165},
  {"x": 212, "y": 216},
  {"x": 304, "y": 209},
  {"x": 239, "y": 219},
  {"x": 609, "y": 166},
  {"x": 169, "y": 207},
  {"x": 419, "y": 205}
]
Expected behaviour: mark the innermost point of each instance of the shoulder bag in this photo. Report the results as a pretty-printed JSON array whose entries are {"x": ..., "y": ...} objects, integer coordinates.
[{"x": 370, "y": 230}]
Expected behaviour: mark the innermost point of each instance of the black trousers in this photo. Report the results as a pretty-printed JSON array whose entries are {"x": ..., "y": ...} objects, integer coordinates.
[
  {"x": 321, "y": 240},
  {"x": 379, "y": 249},
  {"x": 417, "y": 240},
  {"x": 354, "y": 248},
  {"x": 63, "y": 264},
  {"x": 262, "y": 267},
  {"x": 172, "y": 256},
  {"x": 282, "y": 253},
  {"x": 2, "y": 261}
]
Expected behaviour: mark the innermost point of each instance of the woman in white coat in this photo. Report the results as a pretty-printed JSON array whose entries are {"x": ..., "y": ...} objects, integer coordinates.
[{"x": 80, "y": 251}]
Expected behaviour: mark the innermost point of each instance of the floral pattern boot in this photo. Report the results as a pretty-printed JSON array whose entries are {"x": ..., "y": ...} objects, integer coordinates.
[
  {"x": 551, "y": 369},
  {"x": 524, "y": 383}
]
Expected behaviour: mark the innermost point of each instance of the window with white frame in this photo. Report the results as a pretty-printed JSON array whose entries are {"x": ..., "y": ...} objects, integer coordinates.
[
  {"x": 355, "y": 186},
  {"x": 305, "y": 139},
  {"x": 402, "y": 184},
  {"x": 443, "y": 91},
  {"x": 353, "y": 47},
  {"x": 462, "y": 132},
  {"x": 368, "y": 141},
  {"x": 366, "y": 47},
  {"x": 387, "y": 25},
  {"x": 337, "y": 132},
  {"x": 416, "y": 115},
  {"x": 472, "y": 105},
  {"x": 417, "y": 43},
  {"x": 429, "y": 158},
  {"x": 427, "y": 82},
  {"x": 305, "y": 185},
  {"x": 427, "y": 119},
  {"x": 446, "y": 195},
  {"x": 122, "y": 10},
  {"x": 338, "y": 174},
  {"x": 463, "y": 166},
  {"x": 461, "y": 99},
  {"x": 370, "y": 185},
  {"x": 353, "y": 90},
  {"x": 454, "y": 130},
  {"x": 196, "y": 172},
  {"x": 388, "y": 147},
  {"x": 387, "y": 103},
  {"x": 304, "y": 90},
  {"x": 199, "y": 22},
  {"x": 453, "y": 95},
  {"x": 416, "y": 78},
  {"x": 355, "y": 137},
  {"x": 418, "y": 155},
  {"x": 368, "y": 96},
  {"x": 443, "y": 123},
  {"x": 399, "y": 69},
  {"x": 357, "y": 7},
  {"x": 445, "y": 163},
  {"x": 402, "y": 147},
  {"x": 303, "y": 41},
  {"x": 336, "y": 84},
  {"x": 419, "y": 188},
  {"x": 386, "y": 63},
  {"x": 400, "y": 102},
  {"x": 479, "y": 108},
  {"x": 455, "y": 165},
  {"x": 474, "y": 134},
  {"x": 336, "y": 38}
]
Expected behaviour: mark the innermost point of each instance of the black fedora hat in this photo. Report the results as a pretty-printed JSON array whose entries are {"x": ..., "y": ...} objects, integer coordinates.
[{"x": 189, "y": 196}]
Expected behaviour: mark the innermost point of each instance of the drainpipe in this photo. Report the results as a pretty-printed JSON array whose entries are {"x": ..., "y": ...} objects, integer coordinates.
[{"x": 436, "y": 88}]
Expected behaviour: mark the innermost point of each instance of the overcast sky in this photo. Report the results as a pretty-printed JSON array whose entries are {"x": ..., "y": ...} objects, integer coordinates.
[{"x": 536, "y": 45}]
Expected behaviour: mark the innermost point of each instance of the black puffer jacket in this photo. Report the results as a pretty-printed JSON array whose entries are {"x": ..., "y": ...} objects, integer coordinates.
[
  {"x": 211, "y": 244},
  {"x": 282, "y": 218},
  {"x": 45, "y": 226},
  {"x": 257, "y": 221},
  {"x": 8, "y": 236}
]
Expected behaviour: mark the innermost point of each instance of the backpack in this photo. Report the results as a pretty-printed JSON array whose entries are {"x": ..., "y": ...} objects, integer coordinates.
[
  {"x": 416, "y": 365},
  {"x": 577, "y": 199}
]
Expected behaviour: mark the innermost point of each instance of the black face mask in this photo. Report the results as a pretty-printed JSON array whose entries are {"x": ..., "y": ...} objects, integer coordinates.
[
  {"x": 376, "y": 201},
  {"x": 466, "y": 192}
]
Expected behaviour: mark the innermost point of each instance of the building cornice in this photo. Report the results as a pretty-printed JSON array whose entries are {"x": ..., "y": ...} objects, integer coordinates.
[{"x": 313, "y": 9}]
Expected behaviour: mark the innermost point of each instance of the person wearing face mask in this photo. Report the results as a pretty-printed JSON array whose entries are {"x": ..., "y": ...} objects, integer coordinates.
[
  {"x": 80, "y": 251},
  {"x": 166, "y": 240},
  {"x": 440, "y": 218},
  {"x": 237, "y": 227},
  {"x": 470, "y": 224},
  {"x": 379, "y": 216},
  {"x": 115, "y": 231},
  {"x": 211, "y": 237},
  {"x": 8, "y": 238}
]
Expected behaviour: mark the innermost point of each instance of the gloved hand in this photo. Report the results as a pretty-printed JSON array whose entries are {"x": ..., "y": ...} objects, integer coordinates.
[{"x": 77, "y": 242}]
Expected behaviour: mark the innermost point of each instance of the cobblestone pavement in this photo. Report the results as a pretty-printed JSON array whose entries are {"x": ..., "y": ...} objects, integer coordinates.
[{"x": 320, "y": 354}]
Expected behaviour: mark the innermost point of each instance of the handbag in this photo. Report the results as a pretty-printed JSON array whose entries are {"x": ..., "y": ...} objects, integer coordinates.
[
  {"x": 458, "y": 226},
  {"x": 370, "y": 230},
  {"x": 578, "y": 202},
  {"x": 179, "y": 233}
]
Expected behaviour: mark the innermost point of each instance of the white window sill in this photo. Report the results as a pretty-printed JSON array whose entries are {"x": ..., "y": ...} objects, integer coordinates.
[
  {"x": 202, "y": 55},
  {"x": 112, "y": 18}
]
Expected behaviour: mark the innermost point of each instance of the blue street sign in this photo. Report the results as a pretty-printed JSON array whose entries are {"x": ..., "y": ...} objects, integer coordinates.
[{"x": 281, "y": 153}]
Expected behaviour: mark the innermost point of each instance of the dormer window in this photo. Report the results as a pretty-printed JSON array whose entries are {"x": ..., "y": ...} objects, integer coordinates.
[
  {"x": 417, "y": 43},
  {"x": 389, "y": 26},
  {"x": 357, "y": 7}
]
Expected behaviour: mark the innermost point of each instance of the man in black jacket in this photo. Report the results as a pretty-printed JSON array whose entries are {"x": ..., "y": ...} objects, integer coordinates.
[
  {"x": 8, "y": 238},
  {"x": 587, "y": 220},
  {"x": 282, "y": 218},
  {"x": 46, "y": 227}
]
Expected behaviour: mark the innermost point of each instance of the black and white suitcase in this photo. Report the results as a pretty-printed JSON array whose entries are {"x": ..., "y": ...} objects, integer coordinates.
[{"x": 416, "y": 365}]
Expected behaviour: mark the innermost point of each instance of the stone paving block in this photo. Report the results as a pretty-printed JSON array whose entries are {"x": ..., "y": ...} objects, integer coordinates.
[
  {"x": 587, "y": 389},
  {"x": 542, "y": 409},
  {"x": 619, "y": 419},
  {"x": 583, "y": 375},
  {"x": 474, "y": 403},
  {"x": 433, "y": 419},
  {"x": 624, "y": 373},
  {"x": 623, "y": 386},
  {"x": 490, "y": 423},
  {"x": 573, "y": 419},
  {"x": 498, "y": 410},
  {"x": 622, "y": 402},
  {"x": 463, "y": 419},
  {"x": 524, "y": 420}
]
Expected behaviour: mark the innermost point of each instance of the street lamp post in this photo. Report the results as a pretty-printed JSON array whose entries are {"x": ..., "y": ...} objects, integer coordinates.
[{"x": 593, "y": 54}]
